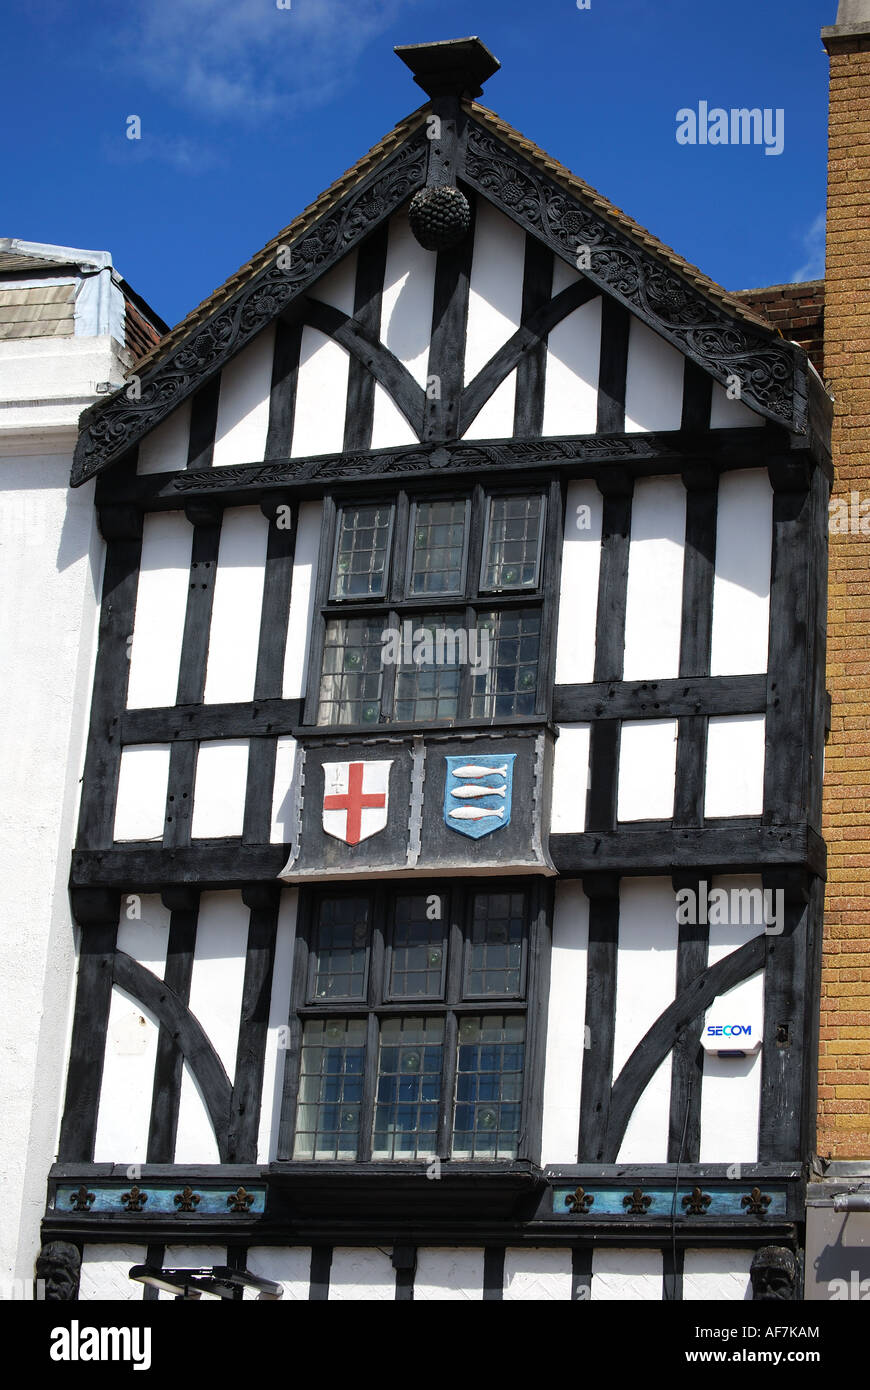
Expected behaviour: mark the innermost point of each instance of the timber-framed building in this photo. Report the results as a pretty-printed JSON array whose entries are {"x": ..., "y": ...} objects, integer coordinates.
[{"x": 449, "y": 871}]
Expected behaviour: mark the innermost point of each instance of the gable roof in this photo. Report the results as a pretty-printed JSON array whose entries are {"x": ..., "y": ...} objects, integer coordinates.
[{"x": 702, "y": 319}]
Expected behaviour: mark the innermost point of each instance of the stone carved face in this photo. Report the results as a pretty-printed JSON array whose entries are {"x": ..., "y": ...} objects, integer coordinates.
[
  {"x": 774, "y": 1275},
  {"x": 58, "y": 1264}
]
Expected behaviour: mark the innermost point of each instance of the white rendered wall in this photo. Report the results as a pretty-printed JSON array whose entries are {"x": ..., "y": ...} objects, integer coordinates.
[
  {"x": 289, "y": 1266},
  {"x": 243, "y": 403},
  {"x": 570, "y": 779},
  {"x": 216, "y": 985},
  {"x": 654, "y": 596},
  {"x": 302, "y": 599},
  {"x": 647, "y": 769},
  {"x": 731, "y": 1088},
  {"x": 165, "y": 449},
  {"x": 321, "y": 382},
  {"x": 51, "y": 558},
  {"x": 283, "y": 792},
  {"x": 573, "y": 359},
  {"x": 578, "y": 588},
  {"x": 653, "y": 383},
  {"x": 566, "y": 1008},
  {"x": 495, "y": 300},
  {"x": 728, "y": 414},
  {"x": 192, "y": 1257},
  {"x": 406, "y": 325},
  {"x": 143, "y": 778},
  {"x": 716, "y": 1276},
  {"x": 448, "y": 1275},
  {"x": 741, "y": 587},
  {"x": 105, "y": 1273},
  {"x": 634, "y": 1275},
  {"x": 161, "y": 605},
  {"x": 277, "y": 1035},
  {"x": 128, "y": 1079},
  {"x": 361, "y": 1275},
  {"x": 238, "y": 599},
  {"x": 735, "y": 765},
  {"x": 219, "y": 789},
  {"x": 537, "y": 1274},
  {"x": 646, "y": 979}
]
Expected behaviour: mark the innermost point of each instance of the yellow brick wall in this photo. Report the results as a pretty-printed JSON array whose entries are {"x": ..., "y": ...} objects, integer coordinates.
[{"x": 844, "y": 1055}]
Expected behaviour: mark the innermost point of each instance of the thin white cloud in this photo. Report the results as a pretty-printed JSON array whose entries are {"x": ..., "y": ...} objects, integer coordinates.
[
  {"x": 249, "y": 59},
  {"x": 814, "y": 249},
  {"x": 180, "y": 153}
]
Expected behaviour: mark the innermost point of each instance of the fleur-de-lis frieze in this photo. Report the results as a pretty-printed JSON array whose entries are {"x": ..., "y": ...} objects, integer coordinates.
[
  {"x": 240, "y": 1200},
  {"x": 637, "y": 1202},
  {"x": 579, "y": 1202},
  {"x": 696, "y": 1202},
  {"x": 756, "y": 1201},
  {"x": 135, "y": 1199},
  {"x": 187, "y": 1199},
  {"x": 82, "y": 1199}
]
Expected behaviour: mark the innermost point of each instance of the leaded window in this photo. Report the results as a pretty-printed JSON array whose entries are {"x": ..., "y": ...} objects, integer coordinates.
[
  {"x": 412, "y": 1015},
  {"x": 433, "y": 611}
]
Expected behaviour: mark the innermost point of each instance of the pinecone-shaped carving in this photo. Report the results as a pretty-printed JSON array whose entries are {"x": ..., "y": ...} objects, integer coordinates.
[{"x": 439, "y": 217}]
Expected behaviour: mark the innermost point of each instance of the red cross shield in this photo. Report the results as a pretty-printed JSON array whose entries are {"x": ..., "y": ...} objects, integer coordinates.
[{"x": 355, "y": 799}]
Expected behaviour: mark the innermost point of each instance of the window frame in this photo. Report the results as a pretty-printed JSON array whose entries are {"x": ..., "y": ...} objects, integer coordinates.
[
  {"x": 461, "y": 610},
  {"x": 457, "y": 899}
]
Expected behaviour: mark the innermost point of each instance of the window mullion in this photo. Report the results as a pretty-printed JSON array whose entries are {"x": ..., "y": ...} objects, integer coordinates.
[
  {"x": 400, "y": 548},
  {"x": 389, "y": 674},
  {"x": 455, "y": 966}
]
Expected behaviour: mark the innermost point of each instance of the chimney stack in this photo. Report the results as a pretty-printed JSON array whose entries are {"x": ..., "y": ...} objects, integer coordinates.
[{"x": 844, "y": 1123}]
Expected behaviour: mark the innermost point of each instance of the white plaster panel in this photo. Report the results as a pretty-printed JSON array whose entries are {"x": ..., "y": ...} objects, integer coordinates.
[
  {"x": 193, "y": 1257},
  {"x": 105, "y": 1273},
  {"x": 142, "y": 781},
  {"x": 161, "y": 604},
  {"x": 218, "y": 972},
  {"x": 496, "y": 418},
  {"x": 283, "y": 792},
  {"x": 653, "y": 383},
  {"x": 570, "y": 779},
  {"x": 338, "y": 286},
  {"x": 194, "y": 1139},
  {"x": 407, "y": 298},
  {"x": 634, "y": 1275},
  {"x": 302, "y": 599},
  {"x": 165, "y": 449},
  {"x": 741, "y": 585},
  {"x": 645, "y": 985},
  {"x": 720, "y": 1276},
  {"x": 654, "y": 597},
  {"x": 537, "y": 1274},
  {"x": 647, "y": 769},
  {"x": 289, "y": 1266},
  {"x": 361, "y": 1275},
  {"x": 389, "y": 426},
  {"x": 730, "y": 415},
  {"x": 219, "y": 790},
  {"x": 573, "y": 358},
  {"x": 563, "y": 1068},
  {"x": 446, "y": 1275},
  {"x": 578, "y": 589},
  {"x": 128, "y": 1078},
  {"x": 277, "y": 1035},
  {"x": 144, "y": 937},
  {"x": 731, "y": 1089},
  {"x": 243, "y": 404},
  {"x": 321, "y": 395},
  {"x": 735, "y": 765},
  {"x": 238, "y": 599},
  {"x": 495, "y": 293}
]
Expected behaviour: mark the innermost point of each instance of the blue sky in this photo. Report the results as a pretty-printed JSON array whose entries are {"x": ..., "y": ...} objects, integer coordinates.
[{"x": 249, "y": 110}]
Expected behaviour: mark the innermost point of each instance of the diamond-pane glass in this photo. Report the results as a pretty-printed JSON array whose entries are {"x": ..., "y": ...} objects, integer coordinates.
[
  {"x": 409, "y": 1088},
  {"x": 513, "y": 543},
  {"x": 489, "y": 1084},
  {"x": 362, "y": 552},
  {"x": 330, "y": 1089},
  {"x": 494, "y": 958},
  {"x": 437, "y": 547}
]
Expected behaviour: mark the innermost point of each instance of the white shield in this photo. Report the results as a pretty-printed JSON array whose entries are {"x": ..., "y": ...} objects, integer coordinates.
[{"x": 355, "y": 799}]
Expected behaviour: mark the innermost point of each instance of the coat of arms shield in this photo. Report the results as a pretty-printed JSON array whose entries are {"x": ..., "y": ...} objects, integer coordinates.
[
  {"x": 355, "y": 799},
  {"x": 477, "y": 793}
]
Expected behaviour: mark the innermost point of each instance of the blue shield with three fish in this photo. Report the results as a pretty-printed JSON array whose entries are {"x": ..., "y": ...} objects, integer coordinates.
[{"x": 477, "y": 793}]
